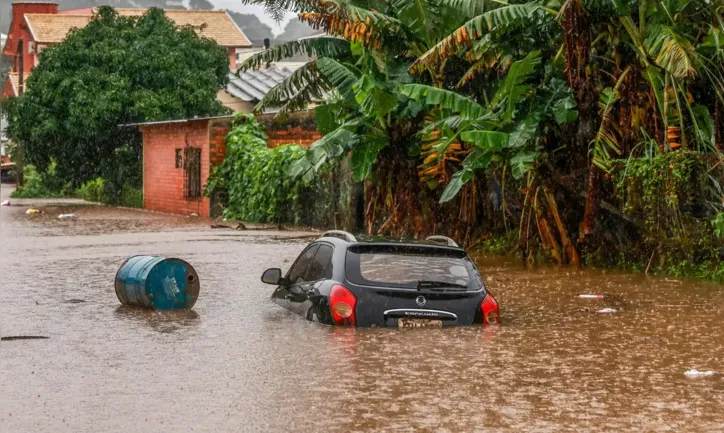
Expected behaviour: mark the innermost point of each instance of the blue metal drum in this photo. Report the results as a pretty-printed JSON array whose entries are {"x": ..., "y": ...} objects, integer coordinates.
[{"x": 158, "y": 283}]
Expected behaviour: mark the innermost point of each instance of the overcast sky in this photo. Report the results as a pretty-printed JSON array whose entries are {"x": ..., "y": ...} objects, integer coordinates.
[{"x": 238, "y": 6}]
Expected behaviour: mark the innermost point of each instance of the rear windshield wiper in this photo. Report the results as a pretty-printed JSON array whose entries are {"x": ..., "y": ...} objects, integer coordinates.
[{"x": 425, "y": 284}]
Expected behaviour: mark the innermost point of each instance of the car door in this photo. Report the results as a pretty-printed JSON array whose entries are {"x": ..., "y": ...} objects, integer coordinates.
[
  {"x": 295, "y": 276},
  {"x": 303, "y": 294}
]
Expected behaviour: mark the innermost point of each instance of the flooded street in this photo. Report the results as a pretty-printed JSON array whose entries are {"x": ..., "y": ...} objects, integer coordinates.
[{"x": 238, "y": 362}]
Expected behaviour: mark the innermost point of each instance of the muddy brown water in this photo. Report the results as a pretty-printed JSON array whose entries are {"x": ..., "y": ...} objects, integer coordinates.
[{"x": 237, "y": 362}]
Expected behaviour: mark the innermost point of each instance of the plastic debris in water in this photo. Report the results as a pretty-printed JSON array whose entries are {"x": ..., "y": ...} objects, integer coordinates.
[
  {"x": 5, "y": 203},
  {"x": 32, "y": 211},
  {"x": 66, "y": 216},
  {"x": 607, "y": 310},
  {"x": 592, "y": 295},
  {"x": 696, "y": 373}
]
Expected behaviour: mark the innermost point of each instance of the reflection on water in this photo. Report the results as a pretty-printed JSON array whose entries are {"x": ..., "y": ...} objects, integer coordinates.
[
  {"x": 238, "y": 362},
  {"x": 161, "y": 321}
]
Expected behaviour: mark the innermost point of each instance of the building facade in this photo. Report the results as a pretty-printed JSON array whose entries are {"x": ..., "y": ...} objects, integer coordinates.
[
  {"x": 178, "y": 157},
  {"x": 38, "y": 24}
]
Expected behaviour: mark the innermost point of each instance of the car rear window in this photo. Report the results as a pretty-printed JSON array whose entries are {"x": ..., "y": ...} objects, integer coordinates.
[{"x": 407, "y": 268}]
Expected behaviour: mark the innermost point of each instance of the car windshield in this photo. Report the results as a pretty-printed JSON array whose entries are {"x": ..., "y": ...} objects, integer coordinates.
[{"x": 412, "y": 269}]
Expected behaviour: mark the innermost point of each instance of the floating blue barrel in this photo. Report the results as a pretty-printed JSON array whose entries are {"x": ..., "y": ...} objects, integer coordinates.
[{"x": 158, "y": 283}]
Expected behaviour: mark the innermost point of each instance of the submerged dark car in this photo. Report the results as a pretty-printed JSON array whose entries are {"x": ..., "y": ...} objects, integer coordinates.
[{"x": 340, "y": 280}]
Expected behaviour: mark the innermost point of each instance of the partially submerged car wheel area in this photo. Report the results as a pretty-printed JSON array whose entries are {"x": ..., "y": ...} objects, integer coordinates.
[{"x": 340, "y": 280}]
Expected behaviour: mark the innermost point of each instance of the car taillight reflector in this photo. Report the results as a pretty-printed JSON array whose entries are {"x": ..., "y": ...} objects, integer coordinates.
[
  {"x": 491, "y": 312},
  {"x": 342, "y": 303}
]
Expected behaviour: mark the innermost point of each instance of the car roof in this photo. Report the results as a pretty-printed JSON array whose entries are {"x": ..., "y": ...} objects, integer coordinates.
[{"x": 340, "y": 237}]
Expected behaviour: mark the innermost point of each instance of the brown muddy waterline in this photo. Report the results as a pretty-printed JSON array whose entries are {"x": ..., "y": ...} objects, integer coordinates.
[{"x": 237, "y": 362}]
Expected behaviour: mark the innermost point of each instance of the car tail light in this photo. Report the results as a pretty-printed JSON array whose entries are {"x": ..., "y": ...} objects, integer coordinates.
[
  {"x": 342, "y": 303},
  {"x": 491, "y": 312}
]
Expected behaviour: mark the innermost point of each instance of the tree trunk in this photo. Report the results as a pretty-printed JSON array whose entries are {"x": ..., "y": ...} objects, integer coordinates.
[{"x": 592, "y": 202}]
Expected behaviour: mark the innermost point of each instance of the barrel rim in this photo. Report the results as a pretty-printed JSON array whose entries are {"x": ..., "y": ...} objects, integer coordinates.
[{"x": 122, "y": 299}]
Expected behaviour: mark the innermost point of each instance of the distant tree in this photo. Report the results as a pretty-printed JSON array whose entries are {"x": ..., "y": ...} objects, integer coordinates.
[
  {"x": 294, "y": 30},
  {"x": 116, "y": 70},
  {"x": 252, "y": 27},
  {"x": 200, "y": 5}
]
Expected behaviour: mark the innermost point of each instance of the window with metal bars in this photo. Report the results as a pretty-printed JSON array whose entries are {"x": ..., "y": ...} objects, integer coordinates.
[{"x": 192, "y": 169}]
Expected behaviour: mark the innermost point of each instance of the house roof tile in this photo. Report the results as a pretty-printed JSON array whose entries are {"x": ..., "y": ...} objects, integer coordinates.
[
  {"x": 15, "y": 81},
  {"x": 50, "y": 28}
]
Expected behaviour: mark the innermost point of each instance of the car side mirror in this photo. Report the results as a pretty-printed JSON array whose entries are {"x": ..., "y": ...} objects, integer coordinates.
[{"x": 272, "y": 276}]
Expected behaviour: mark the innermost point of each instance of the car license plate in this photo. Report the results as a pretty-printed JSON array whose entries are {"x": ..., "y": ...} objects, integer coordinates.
[{"x": 418, "y": 323}]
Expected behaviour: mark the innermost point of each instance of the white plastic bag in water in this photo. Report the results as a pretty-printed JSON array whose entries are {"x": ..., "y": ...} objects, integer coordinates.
[{"x": 696, "y": 373}]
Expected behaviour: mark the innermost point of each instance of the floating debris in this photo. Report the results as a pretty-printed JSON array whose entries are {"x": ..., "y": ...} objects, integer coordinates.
[
  {"x": 157, "y": 283},
  {"x": 607, "y": 310},
  {"x": 592, "y": 295},
  {"x": 696, "y": 373},
  {"x": 74, "y": 301},
  {"x": 24, "y": 337},
  {"x": 32, "y": 211},
  {"x": 5, "y": 203},
  {"x": 67, "y": 216}
]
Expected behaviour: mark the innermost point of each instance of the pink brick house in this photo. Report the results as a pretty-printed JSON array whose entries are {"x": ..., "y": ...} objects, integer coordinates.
[{"x": 178, "y": 157}]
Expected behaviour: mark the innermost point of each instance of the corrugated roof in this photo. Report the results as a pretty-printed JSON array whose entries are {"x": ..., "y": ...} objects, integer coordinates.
[
  {"x": 253, "y": 85},
  {"x": 50, "y": 28}
]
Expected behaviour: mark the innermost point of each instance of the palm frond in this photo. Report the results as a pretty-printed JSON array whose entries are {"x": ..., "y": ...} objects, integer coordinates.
[
  {"x": 296, "y": 92},
  {"x": 421, "y": 17},
  {"x": 354, "y": 23},
  {"x": 606, "y": 141},
  {"x": 502, "y": 19},
  {"x": 340, "y": 76},
  {"x": 468, "y": 9},
  {"x": 277, "y": 9},
  {"x": 514, "y": 88},
  {"x": 315, "y": 47},
  {"x": 444, "y": 99},
  {"x": 326, "y": 148},
  {"x": 671, "y": 50}
]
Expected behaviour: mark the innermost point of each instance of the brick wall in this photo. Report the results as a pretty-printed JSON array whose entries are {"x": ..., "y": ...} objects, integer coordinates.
[
  {"x": 299, "y": 127},
  {"x": 292, "y": 135},
  {"x": 218, "y": 129},
  {"x": 163, "y": 183}
]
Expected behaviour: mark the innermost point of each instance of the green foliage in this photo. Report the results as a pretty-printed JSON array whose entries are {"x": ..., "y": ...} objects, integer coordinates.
[
  {"x": 254, "y": 176},
  {"x": 116, "y": 70},
  {"x": 42, "y": 184},
  {"x": 656, "y": 189},
  {"x": 314, "y": 47},
  {"x": 92, "y": 190},
  {"x": 100, "y": 190},
  {"x": 131, "y": 197},
  {"x": 718, "y": 225},
  {"x": 514, "y": 87}
]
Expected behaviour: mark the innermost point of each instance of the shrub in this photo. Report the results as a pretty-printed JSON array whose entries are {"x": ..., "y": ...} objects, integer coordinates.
[
  {"x": 39, "y": 184},
  {"x": 92, "y": 190},
  {"x": 718, "y": 225},
  {"x": 131, "y": 197},
  {"x": 255, "y": 176}
]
